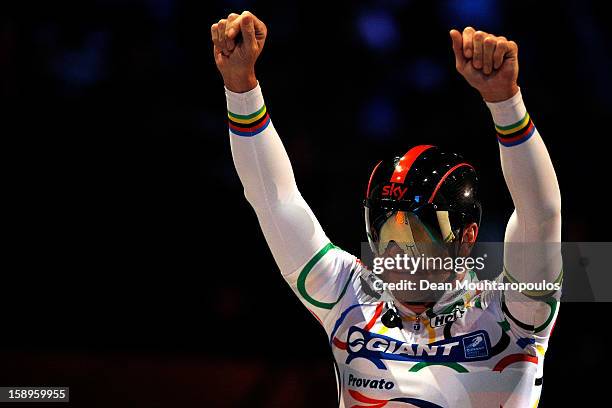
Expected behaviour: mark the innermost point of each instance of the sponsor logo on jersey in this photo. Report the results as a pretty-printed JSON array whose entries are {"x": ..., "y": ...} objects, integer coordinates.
[
  {"x": 364, "y": 382},
  {"x": 394, "y": 190},
  {"x": 443, "y": 319},
  {"x": 474, "y": 346}
]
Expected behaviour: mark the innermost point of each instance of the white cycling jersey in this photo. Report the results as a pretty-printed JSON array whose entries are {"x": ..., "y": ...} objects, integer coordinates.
[
  {"x": 466, "y": 351},
  {"x": 472, "y": 348}
]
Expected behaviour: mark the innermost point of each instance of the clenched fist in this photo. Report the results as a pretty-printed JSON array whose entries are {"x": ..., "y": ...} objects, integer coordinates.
[
  {"x": 489, "y": 63},
  {"x": 238, "y": 41}
]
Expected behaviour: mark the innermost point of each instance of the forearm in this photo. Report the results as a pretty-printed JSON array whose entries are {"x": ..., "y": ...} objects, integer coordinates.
[
  {"x": 528, "y": 171},
  {"x": 258, "y": 153},
  {"x": 533, "y": 234},
  {"x": 291, "y": 230}
]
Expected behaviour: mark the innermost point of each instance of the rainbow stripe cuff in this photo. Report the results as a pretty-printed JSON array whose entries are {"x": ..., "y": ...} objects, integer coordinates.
[
  {"x": 516, "y": 133},
  {"x": 249, "y": 125}
]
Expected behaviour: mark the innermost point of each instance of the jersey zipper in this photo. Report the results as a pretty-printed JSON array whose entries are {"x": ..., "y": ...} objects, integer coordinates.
[{"x": 417, "y": 323}]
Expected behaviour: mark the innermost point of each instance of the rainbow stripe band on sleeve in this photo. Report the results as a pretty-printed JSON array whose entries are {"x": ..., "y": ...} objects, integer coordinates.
[
  {"x": 516, "y": 133},
  {"x": 249, "y": 125}
]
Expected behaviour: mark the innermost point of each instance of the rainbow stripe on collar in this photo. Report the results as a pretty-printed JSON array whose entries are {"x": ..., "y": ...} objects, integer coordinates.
[
  {"x": 516, "y": 133},
  {"x": 249, "y": 125}
]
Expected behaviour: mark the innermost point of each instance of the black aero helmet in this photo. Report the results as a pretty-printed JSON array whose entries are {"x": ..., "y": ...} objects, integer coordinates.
[{"x": 425, "y": 195}]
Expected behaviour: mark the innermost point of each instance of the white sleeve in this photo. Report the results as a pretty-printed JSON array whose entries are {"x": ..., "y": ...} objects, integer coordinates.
[
  {"x": 532, "y": 241},
  {"x": 315, "y": 269}
]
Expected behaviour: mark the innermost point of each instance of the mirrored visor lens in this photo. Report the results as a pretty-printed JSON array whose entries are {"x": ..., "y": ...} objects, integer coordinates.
[{"x": 416, "y": 232}]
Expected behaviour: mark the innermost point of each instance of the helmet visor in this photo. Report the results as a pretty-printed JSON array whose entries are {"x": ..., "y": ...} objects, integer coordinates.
[{"x": 423, "y": 231}]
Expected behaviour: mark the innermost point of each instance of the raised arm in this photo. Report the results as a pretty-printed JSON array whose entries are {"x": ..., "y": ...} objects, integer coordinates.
[
  {"x": 316, "y": 270},
  {"x": 532, "y": 241},
  {"x": 291, "y": 230},
  {"x": 533, "y": 233}
]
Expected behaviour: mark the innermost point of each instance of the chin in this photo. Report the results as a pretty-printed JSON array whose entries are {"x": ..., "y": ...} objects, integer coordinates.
[{"x": 418, "y": 297}]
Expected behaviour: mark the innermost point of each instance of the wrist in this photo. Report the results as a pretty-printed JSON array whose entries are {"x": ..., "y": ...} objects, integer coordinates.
[
  {"x": 500, "y": 95},
  {"x": 244, "y": 103},
  {"x": 508, "y": 111},
  {"x": 240, "y": 83}
]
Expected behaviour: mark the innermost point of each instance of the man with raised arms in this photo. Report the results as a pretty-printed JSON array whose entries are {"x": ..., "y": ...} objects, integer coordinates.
[{"x": 459, "y": 348}]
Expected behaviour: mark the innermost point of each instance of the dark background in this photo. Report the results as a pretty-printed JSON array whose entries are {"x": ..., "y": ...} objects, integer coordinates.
[{"x": 135, "y": 270}]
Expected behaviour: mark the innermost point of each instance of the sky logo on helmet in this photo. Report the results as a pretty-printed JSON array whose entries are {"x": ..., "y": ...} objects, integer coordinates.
[{"x": 394, "y": 190}]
